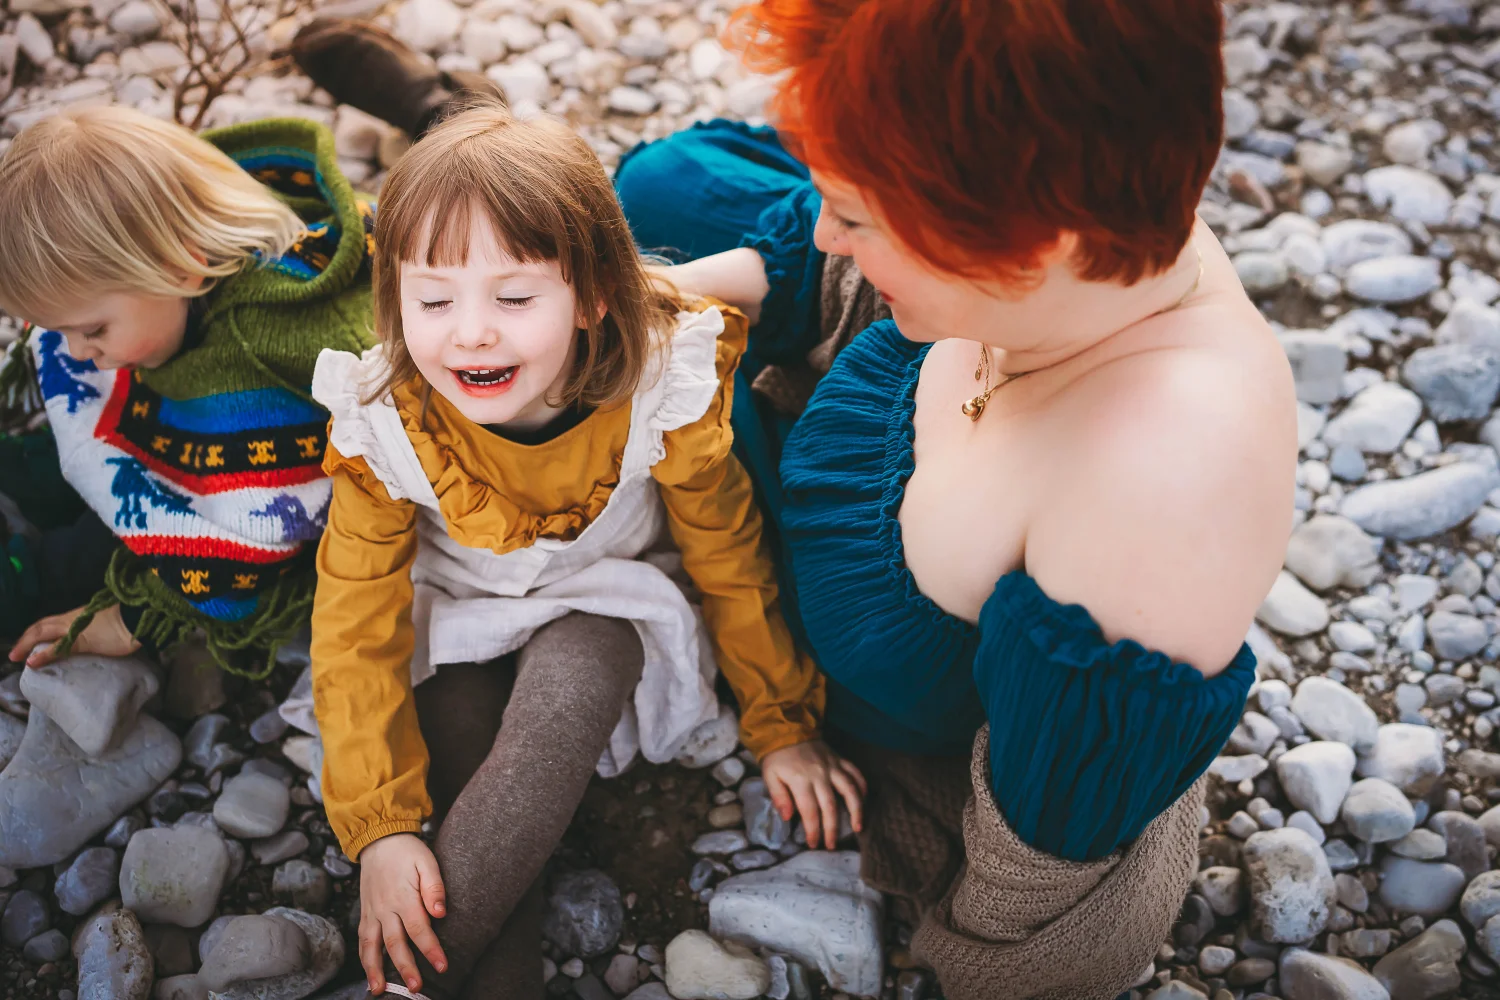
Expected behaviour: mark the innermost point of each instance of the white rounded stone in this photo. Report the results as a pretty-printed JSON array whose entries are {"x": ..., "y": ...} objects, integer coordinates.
[
  {"x": 1316, "y": 776},
  {"x": 1333, "y": 712},
  {"x": 1330, "y": 551},
  {"x": 700, "y": 968},
  {"x": 1375, "y": 811},
  {"x": 1292, "y": 609}
]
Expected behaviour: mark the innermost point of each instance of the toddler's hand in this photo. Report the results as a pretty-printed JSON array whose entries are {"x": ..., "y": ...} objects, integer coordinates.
[
  {"x": 106, "y": 635},
  {"x": 399, "y": 885},
  {"x": 803, "y": 778}
]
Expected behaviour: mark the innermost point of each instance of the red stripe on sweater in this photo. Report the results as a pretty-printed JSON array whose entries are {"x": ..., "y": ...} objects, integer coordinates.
[
  {"x": 205, "y": 548},
  {"x": 107, "y": 430}
]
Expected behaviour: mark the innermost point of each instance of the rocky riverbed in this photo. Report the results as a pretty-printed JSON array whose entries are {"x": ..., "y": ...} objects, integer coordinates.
[{"x": 161, "y": 834}]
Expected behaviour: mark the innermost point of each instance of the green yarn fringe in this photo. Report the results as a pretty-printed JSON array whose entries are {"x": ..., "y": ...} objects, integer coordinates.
[
  {"x": 169, "y": 619},
  {"x": 20, "y": 390}
]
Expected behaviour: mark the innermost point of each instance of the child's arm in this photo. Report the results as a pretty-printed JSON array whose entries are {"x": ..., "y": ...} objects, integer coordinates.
[
  {"x": 737, "y": 277},
  {"x": 374, "y": 759},
  {"x": 714, "y": 519},
  {"x": 375, "y": 762},
  {"x": 106, "y": 635}
]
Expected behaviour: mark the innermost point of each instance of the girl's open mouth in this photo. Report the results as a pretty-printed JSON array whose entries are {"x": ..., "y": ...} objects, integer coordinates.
[{"x": 485, "y": 381}]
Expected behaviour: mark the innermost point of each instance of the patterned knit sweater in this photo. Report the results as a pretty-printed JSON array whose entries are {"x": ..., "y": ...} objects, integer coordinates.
[{"x": 209, "y": 466}]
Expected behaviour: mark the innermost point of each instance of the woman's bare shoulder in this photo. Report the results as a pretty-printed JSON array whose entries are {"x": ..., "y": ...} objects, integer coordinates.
[
  {"x": 1169, "y": 518},
  {"x": 1217, "y": 382}
]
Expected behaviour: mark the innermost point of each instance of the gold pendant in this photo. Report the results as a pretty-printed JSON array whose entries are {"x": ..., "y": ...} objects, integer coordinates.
[{"x": 974, "y": 408}]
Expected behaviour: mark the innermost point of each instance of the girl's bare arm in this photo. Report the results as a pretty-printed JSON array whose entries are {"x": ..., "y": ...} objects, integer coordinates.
[{"x": 736, "y": 277}]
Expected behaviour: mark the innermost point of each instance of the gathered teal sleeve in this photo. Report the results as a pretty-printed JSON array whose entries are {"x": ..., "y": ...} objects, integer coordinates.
[
  {"x": 1091, "y": 740},
  {"x": 790, "y": 321}
]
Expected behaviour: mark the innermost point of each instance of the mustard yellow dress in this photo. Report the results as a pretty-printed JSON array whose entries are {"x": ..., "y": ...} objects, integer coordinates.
[{"x": 448, "y": 543}]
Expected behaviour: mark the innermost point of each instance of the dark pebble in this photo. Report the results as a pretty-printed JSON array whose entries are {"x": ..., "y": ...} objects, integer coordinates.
[
  {"x": 1465, "y": 840},
  {"x": 1249, "y": 971},
  {"x": 194, "y": 792},
  {"x": 259, "y": 765},
  {"x": 1188, "y": 979},
  {"x": 125, "y": 827},
  {"x": 1220, "y": 850},
  {"x": 305, "y": 886},
  {"x": 1252, "y": 947},
  {"x": 49, "y": 946},
  {"x": 1194, "y": 923},
  {"x": 911, "y": 985},
  {"x": 282, "y": 847},
  {"x": 172, "y": 947},
  {"x": 167, "y": 806},
  {"x": 198, "y": 743},
  {"x": 703, "y": 874},
  {"x": 222, "y": 757},
  {"x": 269, "y": 728},
  {"x": 93, "y": 877},
  {"x": 590, "y": 988},
  {"x": 337, "y": 867},
  {"x": 797, "y": 978},
  {"x": 25, "y": 917},
  {"x": 584, "y": 914}
]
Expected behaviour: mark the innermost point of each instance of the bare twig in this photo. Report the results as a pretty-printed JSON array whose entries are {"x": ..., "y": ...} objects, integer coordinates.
[{"x": 217, "y": 50}]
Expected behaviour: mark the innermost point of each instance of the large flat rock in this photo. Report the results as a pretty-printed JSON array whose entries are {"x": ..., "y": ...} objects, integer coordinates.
[{"x": 57, "y": 798}]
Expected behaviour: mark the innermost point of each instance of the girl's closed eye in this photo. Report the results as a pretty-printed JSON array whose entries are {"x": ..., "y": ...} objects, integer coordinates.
[
  {"x": 517, "y": 301},
  {"x": 94, "y": 334},
  {"x": 434, "y": 305}
]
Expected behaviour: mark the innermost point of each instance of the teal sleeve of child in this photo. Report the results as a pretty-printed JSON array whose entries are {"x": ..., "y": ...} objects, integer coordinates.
[{"x": 790, "y": 314}]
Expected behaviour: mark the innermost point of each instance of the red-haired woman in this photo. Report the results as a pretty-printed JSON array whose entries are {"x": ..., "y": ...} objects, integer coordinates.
[{"x": 1027, "y": 520}]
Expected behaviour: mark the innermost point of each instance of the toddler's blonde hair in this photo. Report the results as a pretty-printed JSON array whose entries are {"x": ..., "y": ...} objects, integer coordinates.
[{"x": 110, "y": 199}]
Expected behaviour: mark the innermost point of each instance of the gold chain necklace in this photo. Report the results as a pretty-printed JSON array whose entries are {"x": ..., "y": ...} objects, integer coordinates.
[{"x": 973, "y": 408}]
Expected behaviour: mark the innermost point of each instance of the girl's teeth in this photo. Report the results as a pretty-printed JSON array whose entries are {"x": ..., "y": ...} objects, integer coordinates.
[{"x": 486, "y": 376}]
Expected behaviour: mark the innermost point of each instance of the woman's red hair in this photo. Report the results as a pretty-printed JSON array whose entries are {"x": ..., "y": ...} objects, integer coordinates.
[{"x": 983, "y": 129}]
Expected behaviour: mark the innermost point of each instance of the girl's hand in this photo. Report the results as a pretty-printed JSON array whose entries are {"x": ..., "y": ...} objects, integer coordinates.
[
  {"x": 803, "y": 778},
  {"x": 399, "y": 885},
  {"x": 106, "y": 635}
]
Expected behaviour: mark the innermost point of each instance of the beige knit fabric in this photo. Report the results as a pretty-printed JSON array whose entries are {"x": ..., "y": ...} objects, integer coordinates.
[
  {"x": 912, "y": 846},
  {"x": 849, "y": 304},
  {"x": 1021, "y": 924}
]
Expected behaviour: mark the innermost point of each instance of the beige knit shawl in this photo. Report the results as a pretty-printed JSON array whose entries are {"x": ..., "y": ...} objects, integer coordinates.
[{"x": 1019, "y": 923}]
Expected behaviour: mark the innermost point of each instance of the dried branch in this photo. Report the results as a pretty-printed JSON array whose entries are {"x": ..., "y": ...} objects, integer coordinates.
[{"x": 218, "y": 49}]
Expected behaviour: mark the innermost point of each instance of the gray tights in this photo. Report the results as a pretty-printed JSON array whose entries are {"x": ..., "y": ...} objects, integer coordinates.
[{"x": 513, "y": 745}]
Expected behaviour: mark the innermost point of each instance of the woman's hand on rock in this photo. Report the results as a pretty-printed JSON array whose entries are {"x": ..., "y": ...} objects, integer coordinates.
[
  {"x": 399, "y": 885},
  {"x": 106, "y": 635},
  {"x": 808, "y": 778}
]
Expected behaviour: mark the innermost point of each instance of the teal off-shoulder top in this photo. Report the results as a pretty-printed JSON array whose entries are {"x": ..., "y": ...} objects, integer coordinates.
[{"x": 1089, "y": 740}]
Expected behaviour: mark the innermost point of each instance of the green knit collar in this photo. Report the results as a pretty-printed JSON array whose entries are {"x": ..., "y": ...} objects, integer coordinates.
[
  {"x": 264, "y": 325},
  {"x": 297, "y": 160}
]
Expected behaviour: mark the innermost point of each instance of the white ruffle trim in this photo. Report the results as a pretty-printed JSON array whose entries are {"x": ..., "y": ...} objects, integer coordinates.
[
  {"x": 691, "y": 379},
  {"x": 340, "y": 382}
]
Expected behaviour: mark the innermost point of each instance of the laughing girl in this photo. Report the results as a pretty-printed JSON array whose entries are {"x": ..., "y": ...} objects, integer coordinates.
[{"x": 504, "y": 465}]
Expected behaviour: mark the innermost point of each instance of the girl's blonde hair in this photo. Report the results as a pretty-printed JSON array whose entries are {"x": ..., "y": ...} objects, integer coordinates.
[
  {"x": 547, "y": 197},
  {"x": 103, "y": 199}
]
